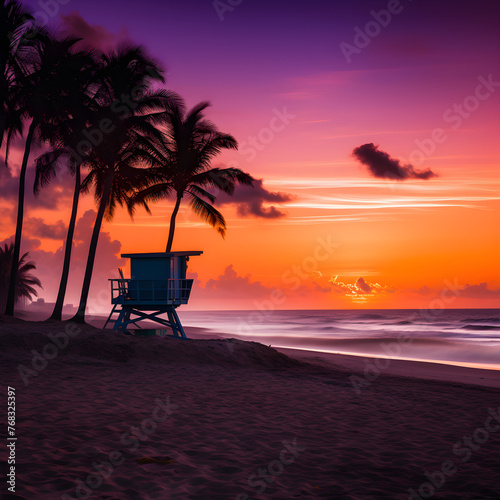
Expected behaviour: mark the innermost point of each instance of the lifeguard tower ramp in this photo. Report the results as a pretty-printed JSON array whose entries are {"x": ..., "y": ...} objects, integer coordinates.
[{"x": 157, "y": 286}]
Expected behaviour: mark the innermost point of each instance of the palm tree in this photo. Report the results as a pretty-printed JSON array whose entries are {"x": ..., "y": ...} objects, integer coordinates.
[
  {"x": 65, "y": 141},
  {"x": 130, "y": 109},
  {"x": 45, "y": 91},
  {"x": 25, "y": 280},
  {"x": 46, "y": 169},
  {"x": 182, "y": 163},
  {"x": 13, "y": 23}
]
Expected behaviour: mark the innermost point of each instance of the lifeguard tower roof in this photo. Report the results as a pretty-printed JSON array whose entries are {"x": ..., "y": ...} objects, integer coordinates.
[{"x": 160, "y": 254}]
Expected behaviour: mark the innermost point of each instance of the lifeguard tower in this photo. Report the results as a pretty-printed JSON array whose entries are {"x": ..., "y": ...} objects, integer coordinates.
[{"x": 157, "y": 286}]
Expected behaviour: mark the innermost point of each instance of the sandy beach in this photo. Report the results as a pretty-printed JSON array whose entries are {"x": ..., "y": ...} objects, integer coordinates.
[{"x": 109, "y": 416}]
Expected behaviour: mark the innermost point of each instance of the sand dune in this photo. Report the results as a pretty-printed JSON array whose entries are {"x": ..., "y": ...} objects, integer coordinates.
[{"x": 115, "y": 417}]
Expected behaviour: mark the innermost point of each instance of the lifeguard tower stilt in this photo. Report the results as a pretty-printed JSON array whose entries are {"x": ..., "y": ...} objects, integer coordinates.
[{"x": 158, "y": 285}]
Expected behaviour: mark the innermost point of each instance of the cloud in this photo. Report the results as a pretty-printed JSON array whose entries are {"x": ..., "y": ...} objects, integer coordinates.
[
  {"x": 360, "y": 287},
  {"x": 60, "y": 190},
  {"x": 9, "y": 185},
  {"x": 6, "y": 218},
  {"x": 94, "y": 34},
  {"x": 228, "y": 290},
  {"x": 321, "y": 289},
  {"x": 36, "y": 226},
  {"x": 250, "y": 201},
  {"x": 480, "y": 291},
  {"x": 381, "y": 165},
  {"x": 233, "y": 284},
  {"x": 49, "y": 264},
  {"x": 363, "y": 286}
]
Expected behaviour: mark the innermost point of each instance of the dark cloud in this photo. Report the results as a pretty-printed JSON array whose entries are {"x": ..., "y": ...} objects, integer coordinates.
[
  {"x": 250, "y": 201},
  {"x": 381, "y": 165},
  {"x": 59, "y": 191},
  {"x": 93, "y": 34},
  {"x": 256, "y": 209},
  {"x": 363, "y": 286},
  {"x": 36, "y": 226}
]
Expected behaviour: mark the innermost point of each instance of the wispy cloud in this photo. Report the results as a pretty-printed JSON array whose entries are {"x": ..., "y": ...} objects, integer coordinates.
[
  {"x": 371, "y": 194},
  {"x": 322, "y": 219},
  {"x": 334, "y": 203},
  {"x": 487, "y": 184}
]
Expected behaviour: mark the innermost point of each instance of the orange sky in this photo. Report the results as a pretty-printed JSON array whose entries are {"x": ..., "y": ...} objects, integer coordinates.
[{"x": 393, "y": 244}]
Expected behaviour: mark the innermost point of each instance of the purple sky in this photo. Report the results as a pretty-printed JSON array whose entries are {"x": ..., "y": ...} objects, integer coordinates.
[{"x": 265, "y": 58}]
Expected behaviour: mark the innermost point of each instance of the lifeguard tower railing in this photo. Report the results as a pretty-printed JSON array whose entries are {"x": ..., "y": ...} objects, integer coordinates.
[{"x": 154, "y": 293}]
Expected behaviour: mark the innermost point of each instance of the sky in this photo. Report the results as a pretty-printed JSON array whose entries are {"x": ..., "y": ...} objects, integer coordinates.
[{"x": 371, "y": 127}]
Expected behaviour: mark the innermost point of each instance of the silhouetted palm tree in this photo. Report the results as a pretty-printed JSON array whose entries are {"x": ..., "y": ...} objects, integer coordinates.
[
  {"x": 66, "y": 140},
  {"x": 45, "y": 91},
  {"x": 47, "y": 166},
  {"x": 130, "y": 109},
  {"x": 25, "y": 280},
  {"x": 182, "y": 163},
  {"x": 13, "y": 23}
]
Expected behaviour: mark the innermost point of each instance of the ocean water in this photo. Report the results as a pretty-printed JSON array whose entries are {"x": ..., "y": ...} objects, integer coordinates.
[{"x": 467, "y": 337}]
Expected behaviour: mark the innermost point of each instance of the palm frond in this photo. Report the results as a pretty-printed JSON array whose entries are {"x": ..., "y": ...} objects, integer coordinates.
[
  {"x": 198, "y": 191},
  {"x": 223, "y": 179},
  {"x": 46, "y": 168},
  {"x": 208, "y": 213}
]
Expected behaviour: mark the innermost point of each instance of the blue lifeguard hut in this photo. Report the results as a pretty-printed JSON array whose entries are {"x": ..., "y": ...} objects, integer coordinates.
[{"x": 157, "y": 286}]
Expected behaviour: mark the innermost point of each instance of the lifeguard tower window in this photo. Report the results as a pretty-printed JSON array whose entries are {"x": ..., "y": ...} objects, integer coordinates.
[{"x": 158, "y": 285}]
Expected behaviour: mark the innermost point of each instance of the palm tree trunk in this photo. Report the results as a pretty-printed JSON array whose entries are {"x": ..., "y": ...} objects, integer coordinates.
[
  {"x": 3, "y": 93},
  {"x": 11, "y": 297},
  {"x": 2, "y": 128},
  {"x": 57, "y": 312},
  {"x": 2, "y": 119},
  {"x": 172, "y": 223},
  {"x": 80, "y": 315}
]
